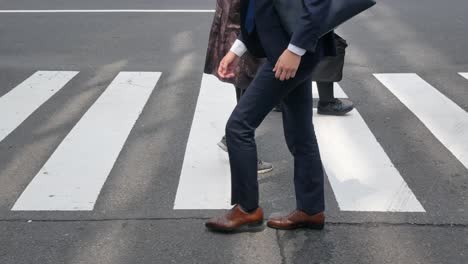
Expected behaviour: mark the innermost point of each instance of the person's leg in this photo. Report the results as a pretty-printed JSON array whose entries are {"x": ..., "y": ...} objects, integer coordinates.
[
  {"x": 239, "y": 92},
  {"x": 328, "y": 104},
  {"x": 302, "y": 143},
  {"x": 308, "y": 170},
  {"x": 278, "y": 108},
  {"x": 259, "y": 99},
  {"x": 222, "y": 143},
  {"x": 262, "y": 166},
  {"x": 325, "y": 91}
]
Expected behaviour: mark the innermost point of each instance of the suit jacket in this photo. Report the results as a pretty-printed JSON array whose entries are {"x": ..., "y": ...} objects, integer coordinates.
[
  {"x": 270, "y": 38},
  {"x": 224, "y": 31}
]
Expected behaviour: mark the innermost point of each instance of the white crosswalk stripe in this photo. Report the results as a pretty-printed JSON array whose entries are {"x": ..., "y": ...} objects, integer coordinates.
[
  {"x": 338, "y": 91},
  {"x": 362, "y": 176},
  {"x": 17, "y": 105},
  {"x": 446, "y": 120},
  {"x": 365, "y": 181},
  {"x": 74, "y": 175},
  {"x": 205, "y": 177}
]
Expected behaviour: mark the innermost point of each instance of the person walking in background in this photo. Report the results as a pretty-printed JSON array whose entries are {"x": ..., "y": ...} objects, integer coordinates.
[
  {"x": 224, "y": 31},
  {"x": 328, "y": 71},
  {"x": 285, "y": 77}
]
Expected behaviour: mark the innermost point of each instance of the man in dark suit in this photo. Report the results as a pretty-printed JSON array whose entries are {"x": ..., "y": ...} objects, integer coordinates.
[{"x": 285, "y": 77}]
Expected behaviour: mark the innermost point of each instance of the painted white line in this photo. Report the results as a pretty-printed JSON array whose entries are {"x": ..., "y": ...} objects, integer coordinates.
[
  {"x": 72, "y": 178},
  {"x": 110, "y": 11},
  {"x": 205, "y": 177},
  {"x": 464, "y": 74},
  {"x": 339, "y": 93},
  {"x": 24, "y": 99},
  {"x": 361, "y": 174},
  {"x": 446, "y": 120}
]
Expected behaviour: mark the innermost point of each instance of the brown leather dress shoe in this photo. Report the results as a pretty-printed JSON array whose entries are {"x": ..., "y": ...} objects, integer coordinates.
[
  {"x": 237, "y": 220},
  {"x": 298, "y": 219}
]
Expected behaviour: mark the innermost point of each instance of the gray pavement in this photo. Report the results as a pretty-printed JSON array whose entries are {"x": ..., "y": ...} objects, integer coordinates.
[{"x": 134, "y": 221}]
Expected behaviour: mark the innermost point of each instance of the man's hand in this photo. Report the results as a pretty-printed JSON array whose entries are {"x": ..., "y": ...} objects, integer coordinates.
[
  {"x": 228, "y": 65},
  {"x": 287, "y": 65}
]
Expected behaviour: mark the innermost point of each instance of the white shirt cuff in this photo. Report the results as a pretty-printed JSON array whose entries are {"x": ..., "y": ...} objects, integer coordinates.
[
  {"x": 238, "y": 48},
  {"x": 296, "y": 50}
]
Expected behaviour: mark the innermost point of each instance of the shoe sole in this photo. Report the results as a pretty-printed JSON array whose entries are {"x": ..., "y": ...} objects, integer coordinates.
[
  {"x": 306, "y": 226},
  {"x": 265, "y": 170},
  {"x": 250, "y": 228},
  {"x": 222, "y": 146}
]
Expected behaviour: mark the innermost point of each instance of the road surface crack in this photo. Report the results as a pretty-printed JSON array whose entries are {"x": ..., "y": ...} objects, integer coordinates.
[{"x": 281, "y": 247}]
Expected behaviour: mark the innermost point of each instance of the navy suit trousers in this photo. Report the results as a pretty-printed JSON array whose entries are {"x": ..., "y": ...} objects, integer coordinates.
[{"x": 259, "y": 99}]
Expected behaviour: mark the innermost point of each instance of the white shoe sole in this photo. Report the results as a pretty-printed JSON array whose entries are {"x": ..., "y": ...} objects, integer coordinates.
[
  {"x": 223, "y": 147},
  {"x": 265, "y": 170}
]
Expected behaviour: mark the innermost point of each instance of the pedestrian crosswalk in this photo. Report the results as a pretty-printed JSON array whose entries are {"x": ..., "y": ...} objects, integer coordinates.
[
  {"x": 204, "y": 180},
  {"x": 21, "y": 102},
  {"x": 73, "y": 176},
  {"x": 445, "y": 119},
  {"x": 366, "y": 181},
  {"x": 362, "y": 176}
]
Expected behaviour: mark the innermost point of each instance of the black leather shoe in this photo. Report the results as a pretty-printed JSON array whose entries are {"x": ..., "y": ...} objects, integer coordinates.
[{"x": 337, "y": 107}]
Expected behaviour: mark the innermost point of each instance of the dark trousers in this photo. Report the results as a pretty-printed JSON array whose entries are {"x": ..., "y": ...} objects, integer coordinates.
[
  {"x": 239, "y": 93},
  {"x": 258, "y": 100},
  {"x": 325, "y": 91}
]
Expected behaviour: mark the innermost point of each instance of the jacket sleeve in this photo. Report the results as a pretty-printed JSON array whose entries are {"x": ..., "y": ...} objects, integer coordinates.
[
  {"x": 306, "y": 35},
  {"x": 239, "y": 37}
]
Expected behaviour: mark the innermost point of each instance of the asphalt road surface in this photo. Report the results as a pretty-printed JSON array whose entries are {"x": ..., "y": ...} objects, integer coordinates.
[{"x": 108, "y": 132}]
